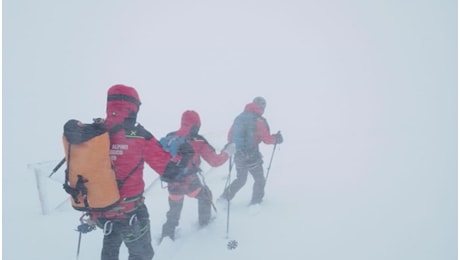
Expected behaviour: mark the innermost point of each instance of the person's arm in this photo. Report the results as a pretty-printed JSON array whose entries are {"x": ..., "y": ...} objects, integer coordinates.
[
  {"x": 209, "y": 154},
  {"x": 155, "y": 156},
  {"x": 263, "y": 132}
]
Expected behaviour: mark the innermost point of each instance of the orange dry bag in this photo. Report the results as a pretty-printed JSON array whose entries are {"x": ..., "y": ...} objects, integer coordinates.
[{"x": 90, "y": 178}]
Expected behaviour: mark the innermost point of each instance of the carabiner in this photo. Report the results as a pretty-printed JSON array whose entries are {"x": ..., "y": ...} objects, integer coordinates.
[
  {"x": 108, "y": 227},
  {"x": 133, "y": 220}
]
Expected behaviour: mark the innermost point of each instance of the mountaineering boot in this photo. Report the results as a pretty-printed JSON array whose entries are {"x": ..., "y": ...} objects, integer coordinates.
[
  {"x": 204, "y": 206},
  {"x": 255, "y": 201},
  {"x": 227, "y": 194},
  {"x": 258, "y": 189},
  {"x": 172, "y": 218},
  {"x": 257, "y": 196},
  {"x": 168, "y": 231},
  {"x": 222, "y": 203}
]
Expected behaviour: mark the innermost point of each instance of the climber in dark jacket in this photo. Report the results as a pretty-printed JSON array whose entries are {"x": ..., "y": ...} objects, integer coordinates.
[{"x": 248, "y": 159}]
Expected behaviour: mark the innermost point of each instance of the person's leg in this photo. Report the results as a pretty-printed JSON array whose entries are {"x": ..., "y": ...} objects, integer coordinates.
[
  {"x": 258, "y": 189},
  {"x": 241, "y": 177},
  {"x": 176, "y": 203},
  {"x": 204, "y": 205},
  {"x": 138, "y": 237},
  {"x": 237, "y": 184},
  {"x": 112, "y": 240}
]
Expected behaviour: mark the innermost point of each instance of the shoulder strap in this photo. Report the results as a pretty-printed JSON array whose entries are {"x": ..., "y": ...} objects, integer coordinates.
[
  {"x": 122, "y": 182},
  {"x": 147, "y": 134},
  {"x": 80, "y": 187}
]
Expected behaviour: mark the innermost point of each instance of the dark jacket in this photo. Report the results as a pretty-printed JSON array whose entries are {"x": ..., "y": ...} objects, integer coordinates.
[{"x": 262, "y": 129}]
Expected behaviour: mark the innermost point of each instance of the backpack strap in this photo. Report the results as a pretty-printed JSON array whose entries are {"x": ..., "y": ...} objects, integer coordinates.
[
  {"x": 122, "y": 182},
  {"x": 146, "y": 135},
  {"x": 66, "y": 185},
  {"x": 80, "y": 187}
]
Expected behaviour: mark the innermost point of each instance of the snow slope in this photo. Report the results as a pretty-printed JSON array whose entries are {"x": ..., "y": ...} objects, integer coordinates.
[{"x": 364, "y": 92}]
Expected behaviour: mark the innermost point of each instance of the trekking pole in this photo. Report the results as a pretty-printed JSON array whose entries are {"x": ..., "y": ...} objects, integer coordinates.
[
  {"x": 78, "y": 247},
  {"x": 270, "y": 164},
  {"x": 57, "y": 167},
  {"x": 227, "y": 184},
  {"x": 86, "y": 226},
  {"x": 208, "y": 192},
  {"x": 230, "y": 166}
]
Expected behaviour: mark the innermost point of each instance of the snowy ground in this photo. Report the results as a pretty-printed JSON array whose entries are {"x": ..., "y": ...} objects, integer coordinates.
[
  {"x": 364, "y": 92},
  {"x": 264, "y": 231},
  {"x": 296, "y": 221}
]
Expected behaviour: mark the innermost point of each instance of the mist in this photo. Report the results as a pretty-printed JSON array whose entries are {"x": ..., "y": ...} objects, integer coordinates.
[{"x": 365, "y": 94}]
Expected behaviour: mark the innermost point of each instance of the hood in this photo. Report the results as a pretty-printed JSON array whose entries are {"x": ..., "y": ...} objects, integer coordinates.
[
  {"x": 253, "y": 107},
  {"x": 122, "y": 103},
  {"x": 190, "y": 123}
]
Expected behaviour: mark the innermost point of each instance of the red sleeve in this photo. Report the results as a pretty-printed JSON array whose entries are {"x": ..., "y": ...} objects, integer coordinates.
[
  {"x": 263, "y": 132},
  {"x": 155, "y": 156},
  {"x": 210, "y": 155}
]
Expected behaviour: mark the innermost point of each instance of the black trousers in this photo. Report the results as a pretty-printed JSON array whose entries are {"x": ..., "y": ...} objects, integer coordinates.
[
  {"x": 133, "y": 231},
  {"x": 244, "y": 164},
  {"x": 204, "y": 198}
]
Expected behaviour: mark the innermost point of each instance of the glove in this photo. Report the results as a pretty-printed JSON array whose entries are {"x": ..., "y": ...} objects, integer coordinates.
[
  {"x": 279, "y": 138},
  {"x": 87, "y": 224},
  {"x": 230, "y": 149},
  {"x": 85, "y": 228}
]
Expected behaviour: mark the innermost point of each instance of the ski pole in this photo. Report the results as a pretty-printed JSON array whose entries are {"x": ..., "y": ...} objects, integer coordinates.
[
  {"x": 230, "y": 166},
  {"x": 227, "y": 185},
  {"x": 78, "y": 247},
  {"x": 228, "y": 216},
  {"x": 208, "y": 192},
  {"x": 232, "y": 244},
  {"x": 270, "y": 164},
  {"x": 84, "y": 227},
  {"x": 57, "y": 167}
]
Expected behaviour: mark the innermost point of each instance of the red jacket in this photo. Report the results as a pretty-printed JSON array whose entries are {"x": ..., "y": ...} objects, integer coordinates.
[
  {"x": 131, "y": 144},
  {"x": 129, "y": 149},
  {"x": 262, "y": 129},
  {"x": 202, "y": 149}
]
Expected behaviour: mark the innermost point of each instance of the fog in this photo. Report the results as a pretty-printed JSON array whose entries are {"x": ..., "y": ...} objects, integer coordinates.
[{"x": 365, "y": 94}]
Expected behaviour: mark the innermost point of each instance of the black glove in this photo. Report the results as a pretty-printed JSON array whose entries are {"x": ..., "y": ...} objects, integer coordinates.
[
  {"x": 85, "y": 228},
  {"x": 279, "y": 138}
]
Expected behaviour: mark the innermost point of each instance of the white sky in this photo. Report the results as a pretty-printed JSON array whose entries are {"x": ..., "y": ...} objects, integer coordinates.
[{"x": 365, "y": 93}]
